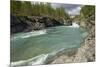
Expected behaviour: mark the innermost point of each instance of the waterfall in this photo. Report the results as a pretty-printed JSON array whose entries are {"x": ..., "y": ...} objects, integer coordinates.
[{"x": 74, "y": 25}]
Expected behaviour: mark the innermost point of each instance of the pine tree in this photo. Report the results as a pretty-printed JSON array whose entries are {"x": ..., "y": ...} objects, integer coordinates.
[{"x": 26, "y": 8}]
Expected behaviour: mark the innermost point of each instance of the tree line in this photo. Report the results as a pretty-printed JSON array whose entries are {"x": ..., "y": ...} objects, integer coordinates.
[{"x": 26, "y": 8}]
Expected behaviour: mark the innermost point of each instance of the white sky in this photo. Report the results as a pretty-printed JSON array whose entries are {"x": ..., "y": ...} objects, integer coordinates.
[{"x": 72, "y": 9}]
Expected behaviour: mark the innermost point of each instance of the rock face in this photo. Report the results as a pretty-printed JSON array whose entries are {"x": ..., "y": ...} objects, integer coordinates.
[
  {"x": 29, "y": 23},
  {"x": 17, "y": 25}
]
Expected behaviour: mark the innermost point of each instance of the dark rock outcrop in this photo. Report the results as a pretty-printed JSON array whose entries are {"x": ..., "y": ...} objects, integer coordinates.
[
  {"x": 29, "y": 23},
  {"x": 17, "y": 25}
]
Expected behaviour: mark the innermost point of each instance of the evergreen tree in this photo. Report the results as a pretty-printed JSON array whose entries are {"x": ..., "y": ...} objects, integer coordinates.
[
  {"x": 16, "y": 7},
  {"x": 87, "y": 12},
  {"x": 26, "y": 8}
]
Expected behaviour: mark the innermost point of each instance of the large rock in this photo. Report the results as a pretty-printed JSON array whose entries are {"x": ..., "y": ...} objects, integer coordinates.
[
  {"x": 17, "y": 25},
  {"x": 29, "y": 23}
]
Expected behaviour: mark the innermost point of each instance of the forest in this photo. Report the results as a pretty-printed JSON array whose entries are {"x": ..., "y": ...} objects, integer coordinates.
[{"x": 26, "y": 8}]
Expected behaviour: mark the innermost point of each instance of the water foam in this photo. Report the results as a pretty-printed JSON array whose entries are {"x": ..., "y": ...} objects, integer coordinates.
[
  {"x": 75, "y": 25},
  {"x": 33, "y": 61},
  {"x": 36, "y": 33},
  {"x": 29, "y": 34},
  {"x": 38, "y": 60}
]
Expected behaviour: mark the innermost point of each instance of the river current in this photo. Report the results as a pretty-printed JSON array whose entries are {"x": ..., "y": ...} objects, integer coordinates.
[{"x": 38, "y": 47}]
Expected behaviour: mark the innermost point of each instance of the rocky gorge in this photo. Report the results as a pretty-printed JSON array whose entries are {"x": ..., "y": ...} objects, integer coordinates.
[
  {"x": 86, "y": 53},
  {"x": 41, "y": 34}
]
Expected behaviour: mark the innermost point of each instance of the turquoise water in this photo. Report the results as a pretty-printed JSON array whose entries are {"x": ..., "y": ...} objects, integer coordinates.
[{"x": 45, "y": 42}]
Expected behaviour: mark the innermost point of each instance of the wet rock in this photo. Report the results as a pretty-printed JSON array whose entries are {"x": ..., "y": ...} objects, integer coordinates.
[
  {"x": 29, "y": 23},
  {"x": 17, "y": 25}
]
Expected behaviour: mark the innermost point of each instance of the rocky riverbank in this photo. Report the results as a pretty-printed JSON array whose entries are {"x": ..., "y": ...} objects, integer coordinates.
[
  {"x": 86, "y": 53},
  {"x": 30, "y": 23}
]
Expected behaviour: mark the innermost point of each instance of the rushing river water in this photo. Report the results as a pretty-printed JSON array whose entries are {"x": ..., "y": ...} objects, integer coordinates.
[{"x": 36, "y": 47}]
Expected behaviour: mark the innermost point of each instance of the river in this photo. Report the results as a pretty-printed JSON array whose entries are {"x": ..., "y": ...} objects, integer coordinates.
[{"x": 38, "y": 47}]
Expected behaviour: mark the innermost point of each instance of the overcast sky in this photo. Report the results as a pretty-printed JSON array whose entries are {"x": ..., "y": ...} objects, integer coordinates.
[{"x": 73, "y": 9}]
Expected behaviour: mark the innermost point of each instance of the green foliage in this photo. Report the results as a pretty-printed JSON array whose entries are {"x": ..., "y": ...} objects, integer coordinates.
[
  {"x": 16, "y": 7},
  {"x": 88, "y": 12},
  {"x": 26, "y": 8}
]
